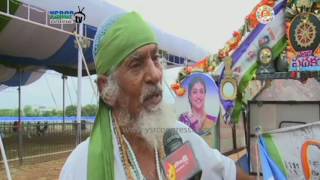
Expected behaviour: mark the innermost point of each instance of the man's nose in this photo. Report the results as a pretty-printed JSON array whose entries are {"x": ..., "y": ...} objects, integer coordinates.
[{"x": 153, "y": 74}]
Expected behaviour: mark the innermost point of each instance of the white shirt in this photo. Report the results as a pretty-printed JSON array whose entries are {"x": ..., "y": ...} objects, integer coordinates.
[{"x": 213, "y": 164}]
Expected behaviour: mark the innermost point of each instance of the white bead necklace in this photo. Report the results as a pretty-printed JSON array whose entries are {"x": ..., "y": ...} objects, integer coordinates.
[{"x": 135, "y": 165}]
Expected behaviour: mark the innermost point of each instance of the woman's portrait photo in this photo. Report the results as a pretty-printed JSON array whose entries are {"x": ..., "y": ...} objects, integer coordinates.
[{"x": 199, "y": 107}]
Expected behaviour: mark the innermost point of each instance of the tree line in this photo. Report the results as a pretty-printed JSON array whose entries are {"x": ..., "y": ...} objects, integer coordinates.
[{"x": 29, "y": 111}]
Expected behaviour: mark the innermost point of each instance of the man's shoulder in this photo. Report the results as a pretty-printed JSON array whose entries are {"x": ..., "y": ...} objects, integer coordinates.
[{"x": 75, "y": 166}]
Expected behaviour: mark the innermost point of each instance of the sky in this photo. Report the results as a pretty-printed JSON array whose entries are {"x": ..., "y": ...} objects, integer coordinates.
[{"x": 207, "y": 23}]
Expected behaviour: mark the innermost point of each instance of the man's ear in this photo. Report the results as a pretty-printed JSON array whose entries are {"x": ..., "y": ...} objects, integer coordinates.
[
  {"x": 102, "y": 82},
  {"x": 107, "y": 89}
]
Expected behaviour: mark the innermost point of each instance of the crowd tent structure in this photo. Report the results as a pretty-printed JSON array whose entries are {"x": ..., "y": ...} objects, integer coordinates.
[
  {"x": 31, "y": 43},
  {"x": 36, "y": 36}
]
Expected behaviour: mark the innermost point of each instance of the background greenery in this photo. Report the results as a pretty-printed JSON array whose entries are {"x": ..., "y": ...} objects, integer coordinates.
[{"x": 29, "y": 111}]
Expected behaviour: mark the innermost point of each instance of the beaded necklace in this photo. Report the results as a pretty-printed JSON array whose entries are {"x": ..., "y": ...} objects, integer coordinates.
[{"x": 128, "y": 157}]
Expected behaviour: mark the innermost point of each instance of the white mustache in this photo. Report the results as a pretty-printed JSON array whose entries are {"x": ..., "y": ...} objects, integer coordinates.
[{"x": 150, "y": 91}]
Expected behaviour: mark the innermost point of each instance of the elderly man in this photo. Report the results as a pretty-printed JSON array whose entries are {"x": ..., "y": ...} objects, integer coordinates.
[{"x": 124, "y": 143}]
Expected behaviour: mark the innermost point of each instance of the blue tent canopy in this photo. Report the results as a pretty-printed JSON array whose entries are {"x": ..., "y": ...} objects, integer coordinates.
[{"x": 30, "y": 45}]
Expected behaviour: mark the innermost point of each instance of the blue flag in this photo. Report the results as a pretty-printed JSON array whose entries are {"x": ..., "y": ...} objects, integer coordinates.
[{"x": 270, "y": 169}]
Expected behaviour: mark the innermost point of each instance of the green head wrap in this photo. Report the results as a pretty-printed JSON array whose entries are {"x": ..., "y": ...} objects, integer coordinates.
[
  {"x": 118, "y": 38},
  {"x": 114, "y": 41}
]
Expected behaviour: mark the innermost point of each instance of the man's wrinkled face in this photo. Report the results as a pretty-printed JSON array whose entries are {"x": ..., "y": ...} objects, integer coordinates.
[
  {"x": 134, "y": 91},
  {"x": 139, "y": 79}
]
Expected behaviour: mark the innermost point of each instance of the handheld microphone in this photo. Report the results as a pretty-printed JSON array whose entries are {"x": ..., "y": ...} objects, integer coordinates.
[{"x": 180, "y": 162}]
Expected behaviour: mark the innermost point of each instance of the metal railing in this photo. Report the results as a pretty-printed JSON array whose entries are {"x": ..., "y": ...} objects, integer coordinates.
[
  {"x": 41, "y": 141},
  {"x": 40, "y": 20}
]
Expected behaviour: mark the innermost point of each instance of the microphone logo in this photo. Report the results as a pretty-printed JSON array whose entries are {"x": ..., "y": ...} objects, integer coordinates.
[
  {"x": 181, "y": 163},
  {"x": 171, "y": 169}
]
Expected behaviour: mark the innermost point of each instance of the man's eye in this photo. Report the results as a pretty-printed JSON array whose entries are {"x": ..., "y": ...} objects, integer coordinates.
[
  {"x": 135, "y": 65},
  {"x": 156, "y": 58}
]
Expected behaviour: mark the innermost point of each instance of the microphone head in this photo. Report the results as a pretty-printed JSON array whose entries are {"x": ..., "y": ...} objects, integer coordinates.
[{"x": 171, "y": 141}]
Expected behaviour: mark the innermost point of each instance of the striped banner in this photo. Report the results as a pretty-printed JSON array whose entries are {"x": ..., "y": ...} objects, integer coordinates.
[{"x": 291, "y": 153}]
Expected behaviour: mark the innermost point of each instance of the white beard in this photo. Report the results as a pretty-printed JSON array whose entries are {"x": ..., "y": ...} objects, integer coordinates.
[{"x": 151, "y": 125}]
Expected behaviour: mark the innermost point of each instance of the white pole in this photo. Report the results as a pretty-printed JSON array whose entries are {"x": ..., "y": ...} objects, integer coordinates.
[
  {"x": 86, "y": 66},
  {"x": 8, "y": 9},
  {"x": 4, "y": 157},
  {"x": 46, "y": 17},
  {"x": 80, "y": 30},
  {"x": 28, "y": 11}
]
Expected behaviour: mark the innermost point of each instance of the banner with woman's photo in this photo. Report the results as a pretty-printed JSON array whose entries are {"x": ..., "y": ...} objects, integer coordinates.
[{"x": 199, "y": 107}]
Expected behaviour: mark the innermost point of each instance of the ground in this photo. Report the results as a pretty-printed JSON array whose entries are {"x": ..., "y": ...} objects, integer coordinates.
[
  {"x": 38, "y": 171},
  {"x": 43, "y": 153}
]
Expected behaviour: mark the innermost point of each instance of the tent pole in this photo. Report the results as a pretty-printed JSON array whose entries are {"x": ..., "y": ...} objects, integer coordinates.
[
  {"x": 78, "y": 139},
  {"x": 19, "y": 128},
  {"x": 5, "y": 161},
  {"x": 63, "y": 100}
]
